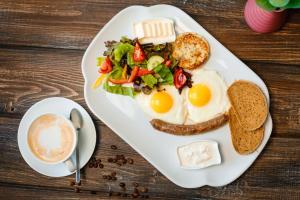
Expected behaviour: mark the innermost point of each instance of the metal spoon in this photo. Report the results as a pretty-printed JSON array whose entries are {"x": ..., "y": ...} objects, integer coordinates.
[{"x": 76, "y": 119}]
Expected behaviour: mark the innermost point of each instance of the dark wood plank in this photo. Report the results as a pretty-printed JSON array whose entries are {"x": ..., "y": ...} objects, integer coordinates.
[
  {"x": 26, "y": 79},
  {"x": 73, "y": 24},
  {"x": 276, "y": 169}
]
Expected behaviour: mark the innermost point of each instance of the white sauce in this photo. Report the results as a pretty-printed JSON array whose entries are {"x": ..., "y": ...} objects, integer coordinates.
[{"x": 199, "y": 154}]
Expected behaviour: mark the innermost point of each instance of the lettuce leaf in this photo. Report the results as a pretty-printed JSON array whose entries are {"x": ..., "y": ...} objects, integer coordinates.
[
  {"x": 149, "y": 80},
  {"x": 166, "y": 76},
  {"x": 121, "y": 50},
  {"x": 119, "y": 89}
]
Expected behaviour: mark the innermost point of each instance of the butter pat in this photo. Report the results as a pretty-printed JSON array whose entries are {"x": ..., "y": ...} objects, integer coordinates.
[
  {"x": 155, "y": 31},
  {"x": 199, "y": 154}
]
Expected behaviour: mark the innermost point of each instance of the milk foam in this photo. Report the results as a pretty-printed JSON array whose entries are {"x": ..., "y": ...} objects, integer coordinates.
[{"x": 51, "y": 138}]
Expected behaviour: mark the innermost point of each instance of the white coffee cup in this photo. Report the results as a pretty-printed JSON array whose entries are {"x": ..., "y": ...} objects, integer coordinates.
[{"x": 52, "y": 139}]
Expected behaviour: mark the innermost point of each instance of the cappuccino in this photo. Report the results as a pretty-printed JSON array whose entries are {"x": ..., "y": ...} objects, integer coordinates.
[{"x": 51, "y": 138}]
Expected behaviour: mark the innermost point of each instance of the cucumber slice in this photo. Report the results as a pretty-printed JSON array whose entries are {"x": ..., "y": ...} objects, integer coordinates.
[{"x": 154, "y": 61}]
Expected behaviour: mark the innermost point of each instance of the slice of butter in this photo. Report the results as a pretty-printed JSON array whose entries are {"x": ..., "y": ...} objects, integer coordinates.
[
  {"x": 199, "y": 154},
  {"x": 155, "y": 31}
]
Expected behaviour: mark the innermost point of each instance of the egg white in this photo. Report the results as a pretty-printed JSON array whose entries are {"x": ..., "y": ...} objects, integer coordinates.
[
  {"x": 177, "y": 113},
  {"x": 219, "y": 102}
]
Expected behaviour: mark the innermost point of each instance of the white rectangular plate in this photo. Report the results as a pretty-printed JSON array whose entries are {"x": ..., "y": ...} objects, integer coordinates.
[{"x": 125, "y": 118}]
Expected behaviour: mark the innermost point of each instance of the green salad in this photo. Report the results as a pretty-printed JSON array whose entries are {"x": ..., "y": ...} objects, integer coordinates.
[{"x": 146, "y": 67}]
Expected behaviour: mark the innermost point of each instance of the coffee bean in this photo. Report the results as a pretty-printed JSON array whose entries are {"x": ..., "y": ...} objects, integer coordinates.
[
  {"x": 135, "y": 195},
  {"x": 114, "y": 147},
  {"x": 99, "y": 161},
  {"x": 95, "y": 165},
  {"x": 122, "y": 184},
  {"x": 72, "y": 183},
  {"x": 113, "y": 174},
  {"x": 135, "y": 184},
  {"x": 93, "y": 192},
  {"x": 130, "y": 161},
  {"x": 91, "y": 165},
  {"x": 101, "y": 165},
  {"x": 104, "y": 177},
  {"x": 143, "y": 189},
  {"x": 76, "y": 189},
  {"x": 110, "y": 160}
]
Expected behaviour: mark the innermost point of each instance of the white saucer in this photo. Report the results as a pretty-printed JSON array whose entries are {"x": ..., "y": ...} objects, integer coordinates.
[{"x": 63, "y": 106}]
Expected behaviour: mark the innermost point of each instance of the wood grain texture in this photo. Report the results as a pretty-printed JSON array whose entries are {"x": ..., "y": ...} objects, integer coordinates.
[
  {"x": 73, "y": 24},
  {"x": 41, "y": 47}
]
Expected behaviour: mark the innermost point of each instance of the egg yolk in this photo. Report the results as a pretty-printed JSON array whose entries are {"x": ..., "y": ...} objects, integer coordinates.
[
  {"x": 199, "y": 95},
  {"x": 161, "y": 102}
]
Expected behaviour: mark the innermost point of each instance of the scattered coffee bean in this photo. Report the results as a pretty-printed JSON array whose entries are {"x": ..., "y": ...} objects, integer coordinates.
[
  {"x": 114, "y": 147},
  {"x": 144, "y": 190},
  {"x": 122, "y": 184},
  {"x": 130, "y": 161},
  {"x": 76, "y": 189},
  {"x": 98, "y": 161},
  {"x": 134, "y": 195},
  {"x": 95, "y": 165},
  {"x": 91, "y": 165},
  {"x": 113, "y": 174},
  {"x": 72, "y": 183},
  {"x": 101, "y": 165},
  {"x": 135, "y": 184},
  {"x": 110, "y": 160},
  {"x": 93, "y": 192}
]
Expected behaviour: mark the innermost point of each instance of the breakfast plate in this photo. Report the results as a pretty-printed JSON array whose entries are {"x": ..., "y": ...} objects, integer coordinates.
[
  {"x": 61, "y": 106},
  {"x": 126, "y": 119}
]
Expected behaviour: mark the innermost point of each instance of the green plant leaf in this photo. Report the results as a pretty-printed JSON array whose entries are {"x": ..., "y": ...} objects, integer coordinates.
[
  {"x": 118, "y": 89},
  {"x": 265, "y": 4},
  {"x": 292, "y": 4},
  {"x": 278, "y": 3},
  {"x": 149, "y": 80}
]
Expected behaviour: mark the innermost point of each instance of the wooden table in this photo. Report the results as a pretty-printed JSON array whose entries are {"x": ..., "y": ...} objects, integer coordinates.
[{"x": 41, "y": 47}]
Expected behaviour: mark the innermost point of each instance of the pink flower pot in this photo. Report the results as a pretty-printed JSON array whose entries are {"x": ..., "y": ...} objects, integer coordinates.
[{"x": 262, "y": 21}]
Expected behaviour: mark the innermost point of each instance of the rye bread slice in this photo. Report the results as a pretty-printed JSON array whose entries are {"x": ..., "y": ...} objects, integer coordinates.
[
  {"x": 244, "y": 142},
  {"x": 249, "y": 103}
]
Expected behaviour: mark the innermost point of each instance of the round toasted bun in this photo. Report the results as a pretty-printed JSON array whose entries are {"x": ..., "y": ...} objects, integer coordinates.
[
  {"x": 191, "y": 50},
  {"x": 244, "y": 142},
  {"x": 249, "y": 103}
]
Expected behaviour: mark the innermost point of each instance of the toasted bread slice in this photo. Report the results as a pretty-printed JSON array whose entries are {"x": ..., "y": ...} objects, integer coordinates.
[
  {"x": 249, "y": 103},
  {"x": 192, "y": 129},
  {"x": 244, "y": 142},
  {"x": 191, "y": 50}
]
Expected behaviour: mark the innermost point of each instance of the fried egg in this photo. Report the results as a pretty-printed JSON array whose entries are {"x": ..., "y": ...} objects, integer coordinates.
[
  {"x": 167, "y": 105},
  {"x": 207, "y": 98}
]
